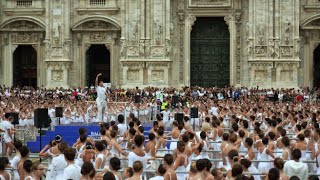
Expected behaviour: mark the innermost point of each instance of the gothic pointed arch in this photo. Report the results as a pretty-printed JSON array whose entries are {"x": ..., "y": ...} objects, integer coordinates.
[{"x": 22, "y": 24}]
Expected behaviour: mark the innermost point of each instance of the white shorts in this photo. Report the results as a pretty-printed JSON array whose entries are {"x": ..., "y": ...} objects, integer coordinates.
[{"x": 7, "y": 139}]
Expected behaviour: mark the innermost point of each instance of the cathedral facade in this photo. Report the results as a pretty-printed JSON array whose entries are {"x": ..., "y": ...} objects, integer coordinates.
[{"x": 66, "y": 43}]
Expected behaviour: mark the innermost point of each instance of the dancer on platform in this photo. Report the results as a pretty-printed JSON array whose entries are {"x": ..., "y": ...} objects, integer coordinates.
[{"x": 101, "y": 97}]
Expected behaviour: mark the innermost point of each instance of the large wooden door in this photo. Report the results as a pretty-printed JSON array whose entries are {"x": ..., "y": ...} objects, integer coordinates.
[{"x": 210, "y": 52}]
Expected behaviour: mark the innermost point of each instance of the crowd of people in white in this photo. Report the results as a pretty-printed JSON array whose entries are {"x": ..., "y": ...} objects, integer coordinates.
[{"x": 239, "y": 134}]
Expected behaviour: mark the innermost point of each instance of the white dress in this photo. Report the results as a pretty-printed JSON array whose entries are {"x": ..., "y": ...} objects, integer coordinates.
[{"x": 58, "y": 165}]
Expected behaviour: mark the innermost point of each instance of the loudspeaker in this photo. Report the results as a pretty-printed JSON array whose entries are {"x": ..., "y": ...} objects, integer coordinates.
[
  {"x": 136, "y": 99},
  {"x": 41, "y": 118},
  {"x": 179, "y": 117},
  {"x": 59, "y": 111},
  {"x": 15, "y": 116},
  {"x": 193, "y": 112}
]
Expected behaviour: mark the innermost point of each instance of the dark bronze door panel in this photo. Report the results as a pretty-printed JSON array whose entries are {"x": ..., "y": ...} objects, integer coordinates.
[{"x": 210, "y": 53}]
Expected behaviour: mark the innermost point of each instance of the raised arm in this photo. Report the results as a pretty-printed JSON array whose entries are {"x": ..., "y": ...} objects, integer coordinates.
[{"x": 97, "y": 83}]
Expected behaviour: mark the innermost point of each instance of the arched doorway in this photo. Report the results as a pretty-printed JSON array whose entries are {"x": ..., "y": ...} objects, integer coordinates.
[
  {"x": 210, "y": 52},
  {"x": 97, "y": 61},
  {"x": 316, "y": 67},
  {"x": 25, "y": 66}
]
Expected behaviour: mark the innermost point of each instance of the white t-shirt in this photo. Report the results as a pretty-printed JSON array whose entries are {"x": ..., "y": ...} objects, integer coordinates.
[
  {"x": 122, "y": 129},
  {"x": 166, "y": 115},
  {"x": 72, "y": 172},
  {"x": 101, "y": 93},
  {"x": 6, "y": 126},
  {"x": 157, "y": 178},
  {"x": 132, "y": 157}
]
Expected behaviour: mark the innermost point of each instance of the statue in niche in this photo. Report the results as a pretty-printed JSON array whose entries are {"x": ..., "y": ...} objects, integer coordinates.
[
  {"x": 141, "y": 48},
  {"x": 168, "y": 47},
  {"x": 66, "y": 46},
  {"x": 171, "y": 27},
  {"x": 260, "y": 32},
  {"x": 158, "y": 30},
  {"x": 271, "y": 48},
  {"x": 134, "y": 31},
  {"x": 56, "y": 31},
  {"x": 287, "y": 27},
  {"x": 47, "y": 48},
  {"x": 147, "y": 48},
  {"x": 248, "y": 29},
  {"x": 123, "y": 48}
]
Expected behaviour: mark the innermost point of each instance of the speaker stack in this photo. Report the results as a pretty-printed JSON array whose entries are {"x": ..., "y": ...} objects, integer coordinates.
[
  {"x": 194, "y": 112},
  {"x": 41, "y": 118},
  {"x": 59, "y": 112}
]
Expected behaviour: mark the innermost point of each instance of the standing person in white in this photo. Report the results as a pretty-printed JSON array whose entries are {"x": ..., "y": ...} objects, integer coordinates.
[
  {"x": 9, "y": 131},
  {"x": 101, "y": 98}
]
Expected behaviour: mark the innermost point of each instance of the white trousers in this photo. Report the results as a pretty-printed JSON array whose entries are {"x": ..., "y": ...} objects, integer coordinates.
[{"x": 101, "y": 105}]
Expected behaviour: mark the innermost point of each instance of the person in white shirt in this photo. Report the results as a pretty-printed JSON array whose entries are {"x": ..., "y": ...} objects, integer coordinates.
[
  {"x": 295, "y": 167},
  {"x": 101, "y": 98},
  {"x": 122, "y": 126},
  {"x": 160, "y": 173},
  {"x": 8, "y": 133},
  {"x": 72, "y": 171}
]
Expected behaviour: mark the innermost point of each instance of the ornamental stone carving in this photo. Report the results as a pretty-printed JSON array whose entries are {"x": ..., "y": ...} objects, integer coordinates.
[
  {"x": 297, "y": 48},
  {"x": 23, "y": 37},
  {"x": 58, "y": 65},
  {"x": 192, "y": 20},
  {"x": 157, "y": 75},
  {"x": 157, "y": 51},
  {"x": 133, "y": 51},
  {"x": 79, "y": 38},
  {"x": 97, "y": 36},
  {"x": 287, "y": 51},
  {"x": 260, "y": 75},
  {"x": 97, "y": 24},
  {"x": 147, "y": 48},
  {"x": 57, "y": 75},
  {"x": 260, "y": 50},
  {"x": 5, "y": 38},
  {"x": 22, "y": 25},
  {"x": 57, "y": 51},
  {"x": 133, "y": 75}
]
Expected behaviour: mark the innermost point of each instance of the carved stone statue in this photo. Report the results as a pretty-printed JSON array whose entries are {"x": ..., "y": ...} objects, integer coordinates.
[
  {"x": 158, "y": 30},
  {"x": 261, "y": 32},
  {"x": 248, "y": 29},
  {"x": 271, "y": 48},
  {"x": 66, "y": 48},
  {"x": 171, "y": 28},
  {"x": 287, "y": 27},
  {"x": 134, "y": 31},
  {"x": 141, "y": 48},
  {"x": 168, "y": 47},
  {"x": 147, "y": 48},
  {"x": 47, "y": 49},
  {"x": 56, "y": 31},
  {"x": 123, "y": 48}
]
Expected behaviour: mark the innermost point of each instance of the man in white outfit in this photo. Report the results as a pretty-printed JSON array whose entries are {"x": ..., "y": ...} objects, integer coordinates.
[{"x": 101, "y": 98}]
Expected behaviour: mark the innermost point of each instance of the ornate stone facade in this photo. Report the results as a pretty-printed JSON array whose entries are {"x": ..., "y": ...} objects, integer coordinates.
[{"x": 271, "y": 41}]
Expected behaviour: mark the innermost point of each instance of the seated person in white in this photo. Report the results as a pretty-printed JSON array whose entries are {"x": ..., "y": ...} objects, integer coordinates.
[
  {"x": 295, "y": 167},
  {"x": 72, "y": 171}
]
